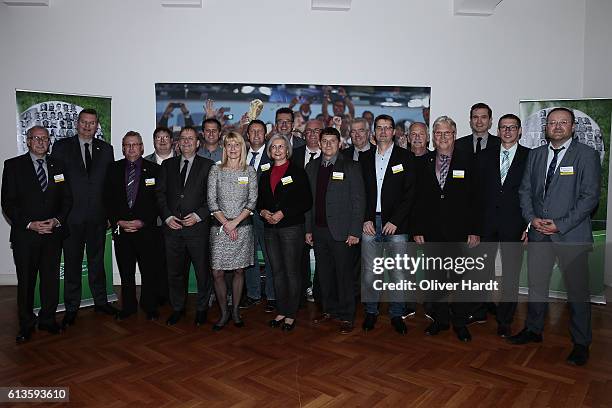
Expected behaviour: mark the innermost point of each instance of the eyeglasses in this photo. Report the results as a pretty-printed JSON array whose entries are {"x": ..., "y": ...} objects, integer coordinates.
[
  {"x": 311, "y": 131},
  {"x": 39, "y": 139},
  {"x": 233, "y": 146},
  {"x": 445, "y": 134},
  {"x": 130, "y": 145},
  {"x": 510, "y": 128},
  {"x": 278, "y": 147},
  {"x": 162, "y": 136},
  {"x": 383, "y": 128},
  {"x": 86, "y": 123},
  {"x": 554, "y": 123},
  {"x": 329, "y": 142},
  {"x": 284, "y": 122},
  {"x": 187, "y": 139}
]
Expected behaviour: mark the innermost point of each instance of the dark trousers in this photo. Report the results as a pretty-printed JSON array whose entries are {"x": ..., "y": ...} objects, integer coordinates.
[
  {"x": 89, "y": 237},
  {"x": 180, "y": 247},
  {"x": 284, "y": 246},
  {"x": 160, "y": 268},
  {"x": 34, "y": 255},
  {"x": 335, "y": 269},
  {"x": 306, "y": 281},
  {"x": 573, "y": 262},
  {"x": 130, "y": 248}
]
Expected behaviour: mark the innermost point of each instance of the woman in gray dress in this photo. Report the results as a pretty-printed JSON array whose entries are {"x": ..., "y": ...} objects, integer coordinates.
[{"x": 232, "y": 195}]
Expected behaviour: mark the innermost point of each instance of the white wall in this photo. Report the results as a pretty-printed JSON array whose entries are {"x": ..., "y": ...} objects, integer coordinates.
[{"x": 121, "y": 48}]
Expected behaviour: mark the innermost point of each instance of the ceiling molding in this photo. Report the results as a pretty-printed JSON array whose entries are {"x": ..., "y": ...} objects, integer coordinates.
[
  {"x": 26, "y": 2},
  {"x": 331, "y": 5},
  {"x": 474, "y": 7},
  {"x": 182, "y": 3}
]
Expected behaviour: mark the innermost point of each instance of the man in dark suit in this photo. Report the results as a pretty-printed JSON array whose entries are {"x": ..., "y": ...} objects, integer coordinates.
[
  {"x": 130, "y": 201},
  {"x": 481, "y": 119},
  {"x": 559, "y": 192},
  {"x": 333, "y": 227},
  {"x": 162, "y": 143},
  {"x": 257, "y": 157},
  {"x": 360, "y": 139},
  {"x": 36, "y": 199},
  {"x": 447, "y": 187},
  {"x": 182, "y": 201},
  {"x": 390, "y": 182},
  {"x": 500, "y": 173},
  {"x": 284, "y": 125},
  {"x": 418, "y": 137},
  {"x": 86, "y": 160}
]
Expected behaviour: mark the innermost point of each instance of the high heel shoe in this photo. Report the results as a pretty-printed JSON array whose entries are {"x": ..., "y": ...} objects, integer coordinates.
[
  {"x": 222, "y": 321},
  {"x": 288, "y": 327},
  {"x": 274, "y": 323},
  {"x": 238, "y": 322}
]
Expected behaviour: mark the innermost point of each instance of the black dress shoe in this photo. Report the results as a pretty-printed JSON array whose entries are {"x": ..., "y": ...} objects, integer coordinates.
[
  {"x": 346, "y": 327},
  {"x": 503, "y": 331},
  {"x": 152, "y": 315},
  {"x": 525, "y": 336},
  {"x": 324, "y": 317},
  {"x": 476, "y": 319},
  {"x": 174, "y": 318},
  {"x": 270, "y": 306},
  {"x": 276, "y": 323},
  {"x": 51, "y": 328},
  {"x": 249, "y": 302},
  {"x": 106, "y": 309},
  {"x": 124, "y": 314},
  {"x": 435, "y": 328},
  {"x": 222, "y": 321},
  {"x": 238, "y": 322},
  {"x": 23, "y": 336},
  {"x": 463, "y": 333},
  {"x": 399, "y": 325},
  {"x": 369, "y": 322},
  {"x": 579, "y": 355},
  {"x": 288, "y": 327},
  {"x": 200, "y": 318},
  {"x": 69, "y": 319}
]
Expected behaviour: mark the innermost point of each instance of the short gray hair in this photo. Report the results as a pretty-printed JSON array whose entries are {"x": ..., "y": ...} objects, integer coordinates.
[
  {"x": 37, "y": 127},
  {"x": 447, "y": 120}
]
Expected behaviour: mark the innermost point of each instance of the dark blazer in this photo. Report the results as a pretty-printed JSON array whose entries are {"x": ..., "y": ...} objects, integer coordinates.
[
  {"x": 502, "y": 219},
  {"x": 398, "y": 190},
  {"x": 115, "y": 194},
  {"x": 175, "y": 199},
  {"x": 452, "y": 213},
  {"x": 344, "y": 199},
  {"x": 23, "y": 201},
  {"x": 349, "y": 151},
  {"x": 298, "y": 156},
  {"x": 151, "y": 157},
  {"x": 297, "y": 142},
  {"x": 87, "y": 189},
  {"x": 293, "y": 199},
  {"x": 466, "y": 143}
]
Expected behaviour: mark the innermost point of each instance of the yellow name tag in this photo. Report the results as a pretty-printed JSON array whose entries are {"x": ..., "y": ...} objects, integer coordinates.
[
  {"x": 243, "y": 180},
  {"x": 265, "y": 167},
  {"x": 566, "y": 170},
  {"x": 459, "y": 174},
  {"x": 337, "y": 175},
  {"x": 398, "y": 168},
  {"x": 58, "y": 178},
  {"x": 286, "y": 180},
  {"x": 150, "y": 182}
]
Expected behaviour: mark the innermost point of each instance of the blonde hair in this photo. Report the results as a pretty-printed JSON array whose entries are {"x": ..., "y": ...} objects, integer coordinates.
[{"x": 234, "y": 137}]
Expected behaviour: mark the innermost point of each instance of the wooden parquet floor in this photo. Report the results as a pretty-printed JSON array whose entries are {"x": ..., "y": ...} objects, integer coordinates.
[{"x": 136, "y": 363}]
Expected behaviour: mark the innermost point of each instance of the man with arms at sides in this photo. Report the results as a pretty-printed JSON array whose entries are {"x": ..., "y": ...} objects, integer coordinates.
[
  {"x": 390, "y": 182},
  {"x": 559, "y": 192},
  {"x": 501, "y": 172},
  {"x": 481, "y": 119},
  {"x": 418, "y": 137},
  {"x": 36, "y": 199},
  {"x": 162, "y": 143},
  {"x": 257, "y": 157},
  {"x": 86, "y": 160},
  {"x": 212, "y": 149},
  {"x": 360, "y": 138},
  {"x": 182, "y": 202},
  {"x": 129, "y": 196},
  {"x": 446, "y": 219},
  {"x": 333, "y": 227},
  {"x": 284, "y": 126}
]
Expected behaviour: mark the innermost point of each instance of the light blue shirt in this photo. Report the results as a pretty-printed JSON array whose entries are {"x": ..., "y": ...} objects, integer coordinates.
[
  {"x": 381, "y": 163},
  {"x": 511, "y": 153}
]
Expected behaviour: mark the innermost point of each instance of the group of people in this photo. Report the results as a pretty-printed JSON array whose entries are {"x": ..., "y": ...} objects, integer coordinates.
[{"x": 212, "y": 207}]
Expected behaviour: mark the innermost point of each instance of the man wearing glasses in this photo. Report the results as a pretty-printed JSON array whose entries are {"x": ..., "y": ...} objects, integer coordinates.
[
  {"x": 360, "y": 139},
  {"x": 284, "y": 126},
  {"x": 305, "y": 154},
  {"x": 212, "y": 149},
  {"x": 162, "y": 143}
]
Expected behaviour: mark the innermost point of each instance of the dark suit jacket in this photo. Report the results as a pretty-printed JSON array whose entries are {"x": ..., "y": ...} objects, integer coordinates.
[
  {"x": 87, "y": 190},
  {"x": 293, "y": 199},
  {"x": 452, "y": 213},
  {"x": 398, "y": 190},
  {"x": 175, "y": 199},
  {"x": 151, "y": 157},
  {"x": 115, "y": 194},
  {"x": 23, "y": 201},
  {"x": 344, "y": 199},
  {"x": 349, "y": 151},
  {"x": 501, "y": 209},
  {"x": 299, "y": 156},
  {"x": 297, "y": 142},
  {"x": 466, "y": 143},
  {"x": 265, "y": 159}
]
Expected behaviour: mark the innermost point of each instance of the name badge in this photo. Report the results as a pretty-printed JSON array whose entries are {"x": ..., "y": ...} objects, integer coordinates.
[
  {"x": 150, "y": 182},
  {"x": 337, "y": 175},
  {"x": 459, "y": 174},
  {"x": 58, "y": 178},
  {"x": 219, "y": 162},
  {"x": 265, "y": 167},
  {"x": 243, "y": 180},
  {"x": 398, "y": 168},
  {"x": 566, "y": 170},
  {"x": 286, "y": 180}
]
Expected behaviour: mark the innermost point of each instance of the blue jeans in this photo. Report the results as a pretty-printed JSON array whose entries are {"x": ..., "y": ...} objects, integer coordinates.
[{"x": 253, "y": 278}]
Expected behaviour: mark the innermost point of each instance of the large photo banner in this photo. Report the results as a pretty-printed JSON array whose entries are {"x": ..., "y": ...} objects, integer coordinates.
[
  {"x": 58, "y": 113},
  {"x": 593, "y": 127}
]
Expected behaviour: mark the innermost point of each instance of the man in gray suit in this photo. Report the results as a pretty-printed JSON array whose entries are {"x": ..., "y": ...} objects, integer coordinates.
[
  {"x": 333, "y": 227},
  {"x": 559, "y": 191}
]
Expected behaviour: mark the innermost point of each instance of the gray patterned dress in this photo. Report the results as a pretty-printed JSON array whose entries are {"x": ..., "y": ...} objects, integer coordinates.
[{"x": 231, "y": 191}]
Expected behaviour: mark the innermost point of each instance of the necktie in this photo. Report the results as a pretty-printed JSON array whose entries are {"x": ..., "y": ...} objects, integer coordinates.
[
  {"x": 131, "y": 184},
  {"x": 478, "y": 145},
  {"x": 87, "y": 158},
  {"x": 253, "y": 158},
  {"x": 312, "y": 156},
  {"x": 505, "y": 165},
  {"x": 41, "y": 175},
  {"x": 184, "y": 172},
  {"x": 443, "y": 169},
  {"x": 552, "y": 167}
]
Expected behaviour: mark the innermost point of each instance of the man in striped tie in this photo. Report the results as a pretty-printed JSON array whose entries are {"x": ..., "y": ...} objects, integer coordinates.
[{"x": 36, "y": 199}]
